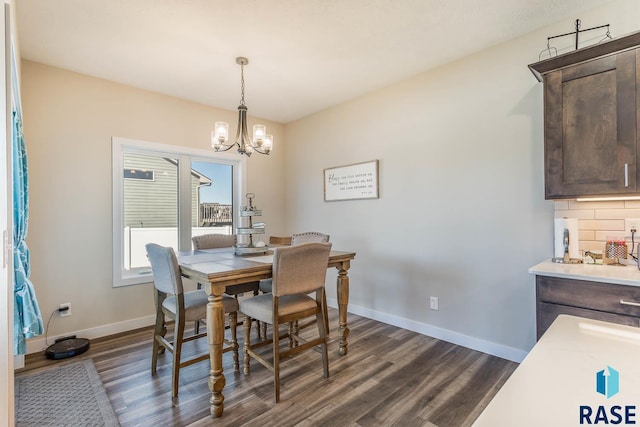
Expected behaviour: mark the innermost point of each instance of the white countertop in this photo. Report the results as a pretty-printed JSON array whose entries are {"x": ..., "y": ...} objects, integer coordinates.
[
  {"x": 559, "y": 375},
  {"x": 622, "y": 275}
]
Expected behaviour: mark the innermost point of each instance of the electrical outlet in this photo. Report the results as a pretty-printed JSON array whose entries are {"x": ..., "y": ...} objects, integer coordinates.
[
  {"x": 632, "y": 224},
  {"x": 67, "y": 312},
  {"x": 433, "y": 303}
]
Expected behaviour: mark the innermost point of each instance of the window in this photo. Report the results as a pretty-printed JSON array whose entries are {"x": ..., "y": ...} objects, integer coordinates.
[
  {"x": 166, "y": 195},
  {"x": 138, "y": 174}
]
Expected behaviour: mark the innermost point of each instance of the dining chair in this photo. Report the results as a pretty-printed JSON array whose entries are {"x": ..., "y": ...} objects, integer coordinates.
[
  {"x": 210, "y": 241},
  {"x": 298, "y": 270},
  {"x": 215, "y": 241},
  {"x": 265, "y": 284},
  {"x": 309, "y": 236},
  {"x": 173, "y": 302},
  {"x": 295, "y": 239},
  {"x": 280, "y": 240}
]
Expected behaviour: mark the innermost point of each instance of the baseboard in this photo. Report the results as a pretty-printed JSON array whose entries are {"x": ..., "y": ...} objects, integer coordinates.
[
  {"x": 498, "y": 350},
  {"x": 516, "y": 355},
  {"x": 38, "y": 344},
  {"x": 18, "y": 361}
]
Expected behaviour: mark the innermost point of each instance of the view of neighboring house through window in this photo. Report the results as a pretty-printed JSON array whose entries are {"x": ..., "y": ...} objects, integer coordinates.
[
  {"x": 166, "y": 198},
  {"x": 150, "y": 206}
]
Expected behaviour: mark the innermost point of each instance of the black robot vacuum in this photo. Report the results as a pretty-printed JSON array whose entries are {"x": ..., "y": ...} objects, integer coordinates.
[{"x": 67, "y": 347}]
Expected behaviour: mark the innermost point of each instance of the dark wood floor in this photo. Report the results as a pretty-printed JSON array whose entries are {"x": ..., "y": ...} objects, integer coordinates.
[{"x": 390, "y": 377}]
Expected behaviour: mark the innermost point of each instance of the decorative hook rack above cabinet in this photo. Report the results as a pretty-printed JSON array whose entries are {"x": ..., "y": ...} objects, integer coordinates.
[{"x": 576, "y": 34}]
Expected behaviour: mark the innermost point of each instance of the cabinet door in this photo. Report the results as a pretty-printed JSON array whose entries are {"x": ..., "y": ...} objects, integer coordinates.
[
  {"x": 547, "y": 313},
  {"x": 593, "y": 300},
  {"x": 590, "y": 128}
]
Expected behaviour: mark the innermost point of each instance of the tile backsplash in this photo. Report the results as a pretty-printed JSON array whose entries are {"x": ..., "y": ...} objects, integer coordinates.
[{"x": 599, "y": 220}]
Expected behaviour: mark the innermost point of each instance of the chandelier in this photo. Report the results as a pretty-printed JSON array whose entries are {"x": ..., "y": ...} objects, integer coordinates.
[{"x": 261, "y": 141}]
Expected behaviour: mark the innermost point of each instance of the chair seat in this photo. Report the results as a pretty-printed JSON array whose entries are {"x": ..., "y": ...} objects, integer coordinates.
[
  {"x": 195, "y": 305},
  {"x": 261, "y": 307}
]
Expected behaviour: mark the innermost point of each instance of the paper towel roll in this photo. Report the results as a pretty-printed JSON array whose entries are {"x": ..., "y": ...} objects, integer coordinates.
[{"x": 559, "y": 225}]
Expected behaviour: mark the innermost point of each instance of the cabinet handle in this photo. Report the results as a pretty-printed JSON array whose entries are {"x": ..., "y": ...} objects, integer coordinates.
[
  {"x": 626, "y": 174},
  {"x": 635, "y": 304}
]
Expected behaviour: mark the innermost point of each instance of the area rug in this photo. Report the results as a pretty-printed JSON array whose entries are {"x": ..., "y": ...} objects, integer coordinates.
[{"x": 67, "y": 395}]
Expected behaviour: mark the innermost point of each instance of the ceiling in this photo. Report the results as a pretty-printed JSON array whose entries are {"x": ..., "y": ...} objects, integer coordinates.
[{"x": 304, "y": 55}]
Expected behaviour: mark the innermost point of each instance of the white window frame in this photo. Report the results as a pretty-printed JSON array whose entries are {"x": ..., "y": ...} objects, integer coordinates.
[{"x": 185, "y": 155}]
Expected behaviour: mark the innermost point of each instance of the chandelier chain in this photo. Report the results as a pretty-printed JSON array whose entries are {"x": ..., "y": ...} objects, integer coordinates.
[{"x": 241, "y": 84}]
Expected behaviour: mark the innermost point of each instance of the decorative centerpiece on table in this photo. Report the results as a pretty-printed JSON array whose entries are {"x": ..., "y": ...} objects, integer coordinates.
[{"x": 247, "y": 213}]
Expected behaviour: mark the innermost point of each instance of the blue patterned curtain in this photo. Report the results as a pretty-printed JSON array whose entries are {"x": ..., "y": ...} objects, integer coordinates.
[{"x": 27, "y": 320}]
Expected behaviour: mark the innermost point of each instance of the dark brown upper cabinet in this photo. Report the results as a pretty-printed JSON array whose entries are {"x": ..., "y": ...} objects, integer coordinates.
[{"x": 591, "y": 99}]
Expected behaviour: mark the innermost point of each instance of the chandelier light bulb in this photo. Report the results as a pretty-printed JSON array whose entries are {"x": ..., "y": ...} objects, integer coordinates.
[
  {"x": 268, "y": 143},
  {"x": 220, "y": 135},
  {"x": 259, "y": 131}
]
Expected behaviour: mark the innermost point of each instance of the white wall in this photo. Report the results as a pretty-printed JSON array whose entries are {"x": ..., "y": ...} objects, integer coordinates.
[
  {"x": 69, "y": 120},
  {"x": 461, "y": 213}
]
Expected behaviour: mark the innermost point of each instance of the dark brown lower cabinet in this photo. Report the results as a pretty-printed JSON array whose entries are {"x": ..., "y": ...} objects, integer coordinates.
[{"x": 594, "y": 300}]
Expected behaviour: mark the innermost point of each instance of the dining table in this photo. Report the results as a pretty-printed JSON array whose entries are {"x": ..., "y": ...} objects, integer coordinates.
[{"x": 216, "y": 269}]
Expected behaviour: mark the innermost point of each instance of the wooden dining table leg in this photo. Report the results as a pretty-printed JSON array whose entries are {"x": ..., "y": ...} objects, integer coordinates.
[
  {"x": 215, "y": 333},
  {"x": 343, "y": 301}
]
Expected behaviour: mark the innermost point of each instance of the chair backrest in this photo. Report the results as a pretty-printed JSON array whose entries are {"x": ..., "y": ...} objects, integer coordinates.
[
  {"x": 212, "y": 241},
  {"x": 165, "y": 268},
  {"x": 310, "y": 236},
  {"x": 300, "y": 269},
  {"x": 277, "y": 240}
]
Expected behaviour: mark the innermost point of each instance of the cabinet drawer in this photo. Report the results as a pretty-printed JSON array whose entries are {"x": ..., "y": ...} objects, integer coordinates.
[
  {"x": 547, "y": 313},
  {"x": 599, "y": 296}
]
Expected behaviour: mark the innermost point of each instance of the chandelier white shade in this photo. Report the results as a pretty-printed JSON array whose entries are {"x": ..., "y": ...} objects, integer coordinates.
[{"x": 260, "y": 142}]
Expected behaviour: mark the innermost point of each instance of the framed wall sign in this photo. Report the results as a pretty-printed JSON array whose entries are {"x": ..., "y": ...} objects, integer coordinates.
[{"x": 357, "y": 181}]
